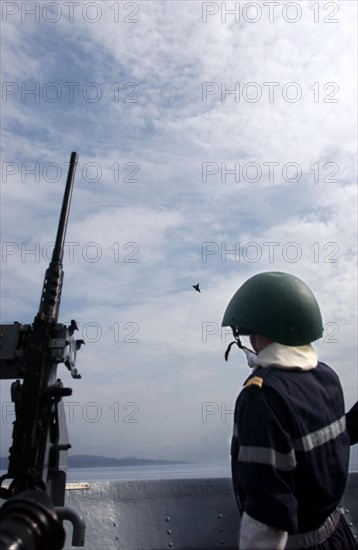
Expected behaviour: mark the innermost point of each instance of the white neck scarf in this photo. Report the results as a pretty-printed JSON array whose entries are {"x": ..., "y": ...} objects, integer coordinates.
[{"x": 287, "y": 357}]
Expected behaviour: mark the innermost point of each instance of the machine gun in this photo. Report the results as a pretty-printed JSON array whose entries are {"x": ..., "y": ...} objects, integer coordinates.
[{"x": 36, "y": 477}]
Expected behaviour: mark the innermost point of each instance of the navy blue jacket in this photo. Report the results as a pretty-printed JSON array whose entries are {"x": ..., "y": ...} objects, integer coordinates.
[{"x": 290, "y": 447}]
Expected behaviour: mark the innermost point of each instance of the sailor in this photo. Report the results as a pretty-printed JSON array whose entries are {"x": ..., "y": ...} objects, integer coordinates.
[{"x": 290, "y": 446}]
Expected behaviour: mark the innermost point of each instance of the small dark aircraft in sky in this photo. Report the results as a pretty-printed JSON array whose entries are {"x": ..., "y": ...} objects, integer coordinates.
[{"x": 197, "y": 287}]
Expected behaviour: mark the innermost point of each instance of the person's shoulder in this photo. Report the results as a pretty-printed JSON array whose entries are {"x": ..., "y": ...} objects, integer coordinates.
[
  {"x": 261, "y": 397},
  {"x": 325, "y": 370},
  {"x": 263, "y": 377},
  {"x": 258, "y": 385}
]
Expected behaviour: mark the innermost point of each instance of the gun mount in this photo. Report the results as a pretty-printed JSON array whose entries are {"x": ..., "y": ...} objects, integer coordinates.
[{"x": 32, "y": 352}]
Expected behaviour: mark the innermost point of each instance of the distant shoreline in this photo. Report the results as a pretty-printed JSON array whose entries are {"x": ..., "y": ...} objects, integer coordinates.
[
  {"x": 94, "y": 461},
  {"x": 89, "y": 461}
]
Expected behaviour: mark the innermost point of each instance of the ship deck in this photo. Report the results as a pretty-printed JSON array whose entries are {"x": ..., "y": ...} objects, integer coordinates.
[{"x": 186, "y": 514}]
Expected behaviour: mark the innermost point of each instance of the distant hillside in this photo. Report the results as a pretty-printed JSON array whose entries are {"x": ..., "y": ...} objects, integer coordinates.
[{"x": 93, "y": 461}]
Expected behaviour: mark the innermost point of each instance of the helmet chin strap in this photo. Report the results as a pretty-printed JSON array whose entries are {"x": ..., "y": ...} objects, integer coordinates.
[{"x": 250, "y": 355}]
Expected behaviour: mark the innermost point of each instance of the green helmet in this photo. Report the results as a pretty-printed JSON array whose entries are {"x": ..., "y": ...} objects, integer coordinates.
[{"x": 277, "y": 305}]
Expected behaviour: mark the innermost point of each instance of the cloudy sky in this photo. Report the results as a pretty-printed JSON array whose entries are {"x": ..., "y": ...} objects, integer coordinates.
[{"x": 216, "y": 141}]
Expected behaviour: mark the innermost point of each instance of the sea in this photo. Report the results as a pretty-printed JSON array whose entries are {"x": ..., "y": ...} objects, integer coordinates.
[
  {"x": 152, "y": 471},
  {"x": 188, "y": 470}
]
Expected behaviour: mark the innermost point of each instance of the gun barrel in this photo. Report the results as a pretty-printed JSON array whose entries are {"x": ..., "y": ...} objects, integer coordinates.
[
  {"x": 62, "y": 226},
  {"x": 52, "y": 287}
]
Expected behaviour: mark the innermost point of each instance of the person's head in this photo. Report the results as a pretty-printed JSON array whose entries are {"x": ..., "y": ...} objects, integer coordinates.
[{"x": 274, "y": 307}]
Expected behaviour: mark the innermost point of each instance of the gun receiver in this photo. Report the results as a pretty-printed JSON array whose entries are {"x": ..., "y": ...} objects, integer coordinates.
[{"x": 38, "y": 455}]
